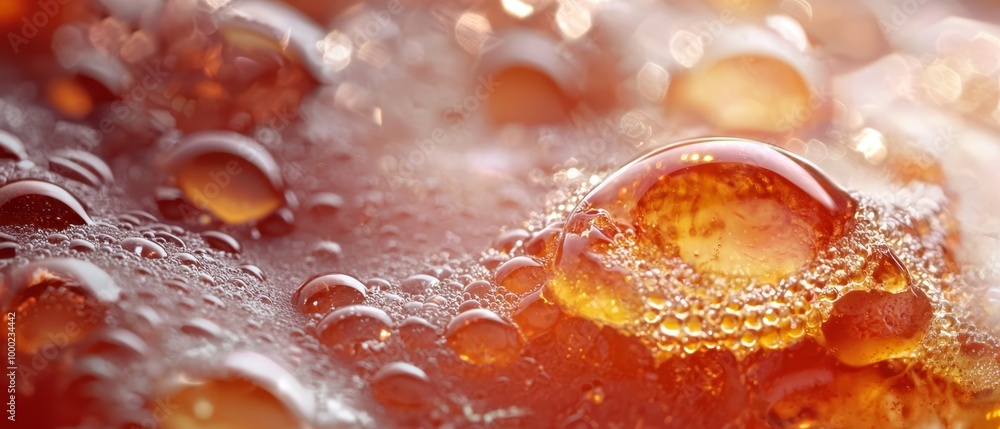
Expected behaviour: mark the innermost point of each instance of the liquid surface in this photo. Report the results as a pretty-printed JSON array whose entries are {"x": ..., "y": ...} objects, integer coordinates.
[{"x": 501, "y": 214}]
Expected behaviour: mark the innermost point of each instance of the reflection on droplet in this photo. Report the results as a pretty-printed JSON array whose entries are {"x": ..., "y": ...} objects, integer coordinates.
[
  {"x": 11, "y": 147},
  {"x": 351, "y": 326},
  {"x": 57, "y": 302},
  {"x": 228, "y": 175},
  {"x": 762, "y": 94},
  {"x": 248, "y": 391},
  {"x": 520, "y": 275},
  {"x": 534, "y": 316},
  {"x": 871, "y": 326},
  {"x": 402, "y": 385},
  {"x": 325, "y": 292},
  {"x": 40, "y": 204},
  {"x": 727, "y": 207},
  {"x": 143, "y": 247},
  {"x": 222, "y": 241},
  {"x": 481, "y": 337}
]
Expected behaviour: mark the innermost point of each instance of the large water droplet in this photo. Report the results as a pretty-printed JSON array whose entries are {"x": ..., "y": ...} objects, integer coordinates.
[
  {"x": 56, "y": 302},
  {"x": 40, "y": 204},
  {"x": 228, "y": 175},
  {"x": 324, "y": 292},
  {"x": 725, "y": 207},
  {"x": 402, "y": 385},
  {"x": 481, "y": 337},
  {"x": 247, "y": 391}
]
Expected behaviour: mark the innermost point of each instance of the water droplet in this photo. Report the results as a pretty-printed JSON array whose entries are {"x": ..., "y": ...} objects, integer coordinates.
[
  {"x": 248, "y": 391},
  {"x": 81, "y": 166},
  {"x": 11, "y": 147},
  {"x": 40, "y": 204},
  {"x": 763, "y": 94},
  {"x": 868, "y": 326},
  {"x": 324, "y": 292},
  {"x": 57, "y": 302},
  {"x": 481, "y": 337},
  {"x": 348, "y": 327},
  {"x": 204, "y": 328},
  {"x": 889, "y": 273},
  {"x": 520, "y": 275},
  {"x": 8, "y": 250},
  {"x": 228, "y": 175},
  {"x": 143, "y": 248},
  {"x": 418, "y": 284},
  {"x": 760, "y": 213},
  {"x": 479, "y": 289},
  {"x": 221, "y": 241},
  {"x": 402, "y": 385},
  {"x": 417, "y": 332},
  {"x": 323, "y": 206},
  {"x": 534, "y": 316},
  {"x": 327, "y": 250}
]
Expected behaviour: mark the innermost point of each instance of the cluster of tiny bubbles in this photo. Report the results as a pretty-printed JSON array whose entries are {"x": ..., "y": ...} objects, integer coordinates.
[{"x": 892, "y": 265}]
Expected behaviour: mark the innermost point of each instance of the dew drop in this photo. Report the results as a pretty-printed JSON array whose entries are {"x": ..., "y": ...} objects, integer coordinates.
[
  {"x": 760, "y": 213},
  {"x": 228, "y": 175},
  {"x": 762, "y": 94},
  {"x": 57, "y": 302},
  {"x": 865, "y": 327},
  {"x": 40, "y": 204},
  {"x": 402, "y": 385},
  {"x": 520, "y": 275},
  {"x": 221, "y": 241},
  {"x": 534, "y": 316},
  {"x": 418, "y": 332},
  {"x": 351, "y": 326},
  {"x": 143, "y": 248},
  {"x": 481, "y": 337},
  {"x": 248, "y": 391},
  {"x": 8, "y": 250},
  {"x": 11, "y": 147},
  {"x": 418, "y": 284},
  {"x": 324, "y": 292}
]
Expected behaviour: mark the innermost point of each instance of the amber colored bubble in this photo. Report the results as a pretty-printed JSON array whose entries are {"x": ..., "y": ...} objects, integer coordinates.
[
  {"x": 534, "y": 316},
  {"x": 244, "y": 390},
  {"x": 889, "y": 274},
  {"x": 527, "y": 96},
  {"x": 70, "y": 97},
  {"x": 402, "y": 385},
  {"x": 353, "y": 325},
  {"x": 759, "y": 94},
  {"x": 871, "y": 326},
  {"x": 230, "y": 403},
  {"x": 520, "y": 275},
  {"x": 481, "y": 337},
  {"x": 325, "y": 292},
  {"x": 727, "y": 207},
  {"x": 56, "y": 302},
  {"x": 228, "y": 175},
  {"x": 40, "y": 204}
]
